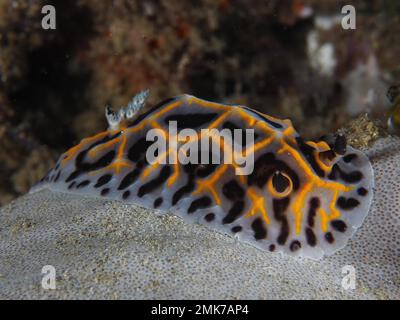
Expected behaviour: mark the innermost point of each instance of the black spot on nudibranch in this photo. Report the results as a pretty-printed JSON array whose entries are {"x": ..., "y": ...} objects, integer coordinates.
[
  {"x": 73, "y": 176},
  {"x": 156, "y": 182},
  {"x": 232, "y": 190},
  {"x": 310, "y": 237},
  {"x": 295, "y": 245},
  {"x": 178, "y": 195},
  {"x": 329, "y": 237},
  {"x": 280, "y": 182},
  {"x": 126, "y": 194},
  {"x": 347, "y": 203},
  {"x": 190, "y": 169},
  {"x": 158, "y": 202},
  {"x": 199, "y": 203},
  {"x": 236, "y": 229},
  {"x": 350, "y": 157},
  {"x": 71, "y": 185},
  {"x": 141, "y": 163},
  {"x": 129, "y": 179},
  {"x": 105, "y": 191},
  {"x": 138, "y": 150},
  {"x": 271, "y": 247},
  {"x": 260, "y": 232},
  {"x": 209, "y": 217},
  {"x": 279, "y": 207},
  {"x": 83, "y": 184},
  {"x": 234, "y": 212},
  {"x": 352, "y": 177},
  {"x": 362, "y": 191},
  {"x": 103, "y": 180},
  {"x": 339, "y": 225},
  {"x": 312, "y": 211},
  {"x": 204, "y": 170}
]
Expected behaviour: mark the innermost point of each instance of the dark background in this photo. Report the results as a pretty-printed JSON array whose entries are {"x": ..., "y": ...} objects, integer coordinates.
[{"x": 286, "y": 58}]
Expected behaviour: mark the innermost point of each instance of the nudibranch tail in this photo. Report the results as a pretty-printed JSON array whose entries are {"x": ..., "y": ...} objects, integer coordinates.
[{"x": 304, "y": 198}]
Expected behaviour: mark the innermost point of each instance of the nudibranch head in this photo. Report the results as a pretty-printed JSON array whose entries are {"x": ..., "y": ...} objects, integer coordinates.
[{"x": 300, "y": 197}]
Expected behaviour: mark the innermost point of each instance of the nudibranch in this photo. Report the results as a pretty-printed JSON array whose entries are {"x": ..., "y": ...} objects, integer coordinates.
[{"x": 302, "y": 197}]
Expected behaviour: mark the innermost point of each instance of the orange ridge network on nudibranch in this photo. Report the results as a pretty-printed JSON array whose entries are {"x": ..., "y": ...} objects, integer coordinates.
[{"x": 302, "y": 197}]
